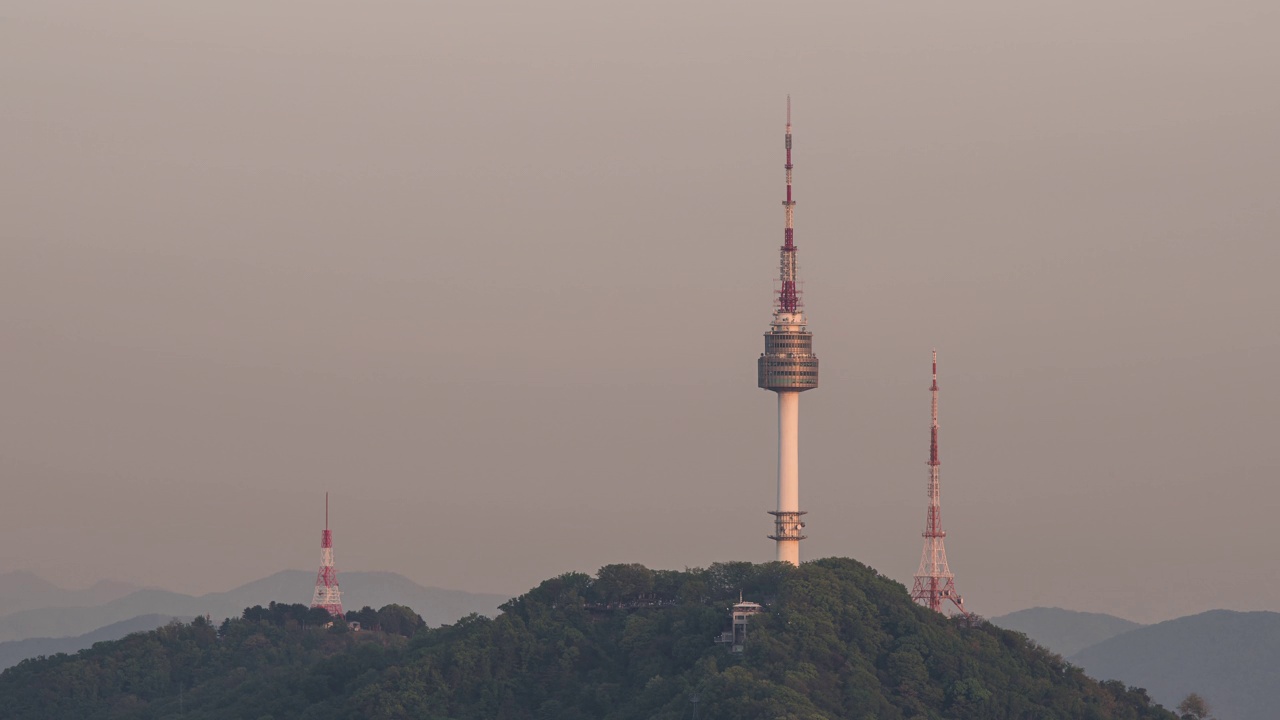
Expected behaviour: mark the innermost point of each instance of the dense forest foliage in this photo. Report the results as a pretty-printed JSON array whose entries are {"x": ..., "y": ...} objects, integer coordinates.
[{"x": 836, "y": 640}]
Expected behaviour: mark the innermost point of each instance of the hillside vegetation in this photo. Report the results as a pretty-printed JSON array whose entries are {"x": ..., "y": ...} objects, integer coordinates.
[{"x": 836, "y": 641}]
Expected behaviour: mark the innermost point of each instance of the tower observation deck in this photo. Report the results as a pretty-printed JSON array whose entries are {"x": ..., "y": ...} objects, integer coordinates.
[{"x": 788, "y": 367}]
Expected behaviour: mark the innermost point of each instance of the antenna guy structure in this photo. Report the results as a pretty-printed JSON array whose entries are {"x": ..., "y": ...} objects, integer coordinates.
[
  {"x": 788, "y": 367},
  {"x": 327, "y": 594},
  {"x": 934, "y": 583}
]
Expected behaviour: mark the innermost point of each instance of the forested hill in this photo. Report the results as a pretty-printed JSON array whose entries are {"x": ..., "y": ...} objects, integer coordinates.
[{"x": 836, "y": 641}]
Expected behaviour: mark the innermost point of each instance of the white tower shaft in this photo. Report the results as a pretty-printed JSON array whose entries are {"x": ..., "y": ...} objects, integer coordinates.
[{"x": 788, "y": 475}]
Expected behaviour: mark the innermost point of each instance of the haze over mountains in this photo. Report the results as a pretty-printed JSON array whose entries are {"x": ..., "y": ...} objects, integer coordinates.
[
  {"x": 436, "y": 605},
  {"x": 15, "y": 651},
  {"x": 25, "y": 590},
  {"x": 1231, "y": 658},
  {"x": 1065, "y": 632}
]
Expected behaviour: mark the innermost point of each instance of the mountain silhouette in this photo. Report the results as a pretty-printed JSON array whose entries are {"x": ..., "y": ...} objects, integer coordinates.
[
  {"x": 1065, "y": 632},
  {"x": 15, "y": 651},
  {"x": 375, "y": 589},
  {"x": 24, "y": 590},
  {"x": 1230, "y": 658}
]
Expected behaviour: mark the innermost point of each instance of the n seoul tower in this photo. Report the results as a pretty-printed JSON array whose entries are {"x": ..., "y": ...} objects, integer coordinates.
[{"x": 788, "y": 367}]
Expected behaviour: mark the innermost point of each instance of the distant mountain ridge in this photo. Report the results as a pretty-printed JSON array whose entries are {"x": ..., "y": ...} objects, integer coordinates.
[
  {"x": 24, "y": 590},
  {"x": 1065, "y": 632},
  {"x": 437, "y": 606},
  {"x": 15, "y": 651},
  {"x": 1231, "y": 658}
]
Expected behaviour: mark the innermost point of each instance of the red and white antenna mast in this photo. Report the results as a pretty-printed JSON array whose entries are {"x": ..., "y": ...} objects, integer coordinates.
[
  {"x": 327, "y": 594},
  {"x": 789, "y": 293},
  {"x": 934, "y": 583}
]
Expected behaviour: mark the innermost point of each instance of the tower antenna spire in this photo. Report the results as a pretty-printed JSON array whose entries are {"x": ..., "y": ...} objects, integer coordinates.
[
  {"x": 934, "y": 582},
  {"x": 788, "y": 367},
  {"x": 788, "y": 274}
]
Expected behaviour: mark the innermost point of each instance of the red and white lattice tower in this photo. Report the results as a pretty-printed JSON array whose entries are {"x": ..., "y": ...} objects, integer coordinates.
[
  {"x": 934, "y": 583},
  {"x": 327, "y": 594}
]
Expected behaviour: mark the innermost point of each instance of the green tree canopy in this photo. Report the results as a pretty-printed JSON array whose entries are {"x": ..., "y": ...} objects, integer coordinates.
[
  {"x": 836, "y": 640},
  {"x": 1194, "y": 707}
]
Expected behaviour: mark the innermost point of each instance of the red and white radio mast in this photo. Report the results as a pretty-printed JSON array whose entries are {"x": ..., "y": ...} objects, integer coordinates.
[
  {"x": 327, "y": 594},
  {"x": 934, "y": 582}
]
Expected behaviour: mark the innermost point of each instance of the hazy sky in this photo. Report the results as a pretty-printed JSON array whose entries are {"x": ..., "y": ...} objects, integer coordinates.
[{"x": 495, "y": 275}]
